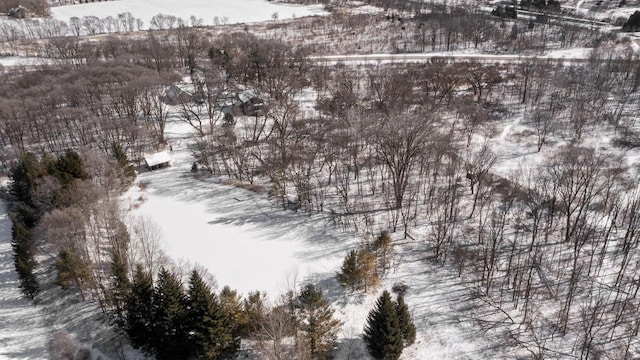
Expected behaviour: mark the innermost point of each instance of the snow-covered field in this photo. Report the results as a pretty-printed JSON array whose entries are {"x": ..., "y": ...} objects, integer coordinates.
[
  {"x": 236, "y": 11},
  {"x": 238, "y": 235}
]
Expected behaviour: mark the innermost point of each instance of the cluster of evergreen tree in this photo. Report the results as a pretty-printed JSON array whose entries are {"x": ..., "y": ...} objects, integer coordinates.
[
  {"x": 361, "y": 268},
  {"x": 40, "y": 185},
  {"x": 165, "y": 320},
  {"x": 389, "y": 328},
  {"x": 315, "y": 317},
  {"x": 26, "y": 210},
  {"x": 633, "y": 23}
]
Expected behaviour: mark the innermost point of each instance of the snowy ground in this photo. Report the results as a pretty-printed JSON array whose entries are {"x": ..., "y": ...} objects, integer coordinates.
[
  {"x": 238, "y": 235},
  {"x": 440, "y": 306},
  {"x": 23, "y": 334},
  {"x": 237, "y": 11},
  {"x": 249, "y": 243}
]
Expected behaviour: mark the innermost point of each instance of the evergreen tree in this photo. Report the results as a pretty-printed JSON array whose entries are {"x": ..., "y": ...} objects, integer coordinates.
[
  {"x": 317, "y": 322},
  {"x": 23, "y": 258},
  {"x": 68, "y": 168},
  {"x": 633, "y": 23},
  {"x": 254, "y": 311},
  {"x": 407, "y": 327},
  {"x": 210, "y": 334},
  {"x": 382, "y": 333},
  {"x": 128, "y": 172},
  {"x": 383, "y": 247},
  {"x": 120, "y": 285},
  {"x": 139, "y": 309},
  {"x": 23, "y": 178},
  {"x": 350, "y": 274},
  {"x": 233, "y": 309},
  {"x": 169, "y": 312},
  {"x": 368, "y": 268},
  {"x": 73, "y": 270}
]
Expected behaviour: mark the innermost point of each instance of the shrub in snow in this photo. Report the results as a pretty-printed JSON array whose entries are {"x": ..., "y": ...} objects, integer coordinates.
[{"x": 62, "y": 346}]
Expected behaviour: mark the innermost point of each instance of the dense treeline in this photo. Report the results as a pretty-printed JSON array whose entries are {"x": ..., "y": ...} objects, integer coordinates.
[
  {"x": 165, "y": 321},
  {"x": 173, "y": 323},
  {"x": 86, "y": 101},
  {"x": 29, "y": 206},
  {"x": 47, "y": 194}
]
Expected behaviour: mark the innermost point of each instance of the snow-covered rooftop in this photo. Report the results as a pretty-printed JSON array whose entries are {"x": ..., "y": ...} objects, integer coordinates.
[{"x": 158, "y": 158}]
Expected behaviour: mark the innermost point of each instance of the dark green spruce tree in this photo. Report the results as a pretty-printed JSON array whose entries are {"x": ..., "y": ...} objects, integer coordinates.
[
  {"x": 23, "y": 258},
  {"x": 382, "y": 333},
  {"x": 69, "y": 167},
  {"x": 169, "y": 317},
  {"x": 208, "y": 328},
  {"x": 316, "y": 320},
  {"x": 350, "y": 274},
  {"x": 128, "y": 172},
  {"x": 633, "y": 23},
  {"x": 24, "y": 175},
  {"x": 120, "y": 286},
  {"x": 407, "y": 327},
  {"x": 139, "y": 310},
  {"x": 255, "y": 309}
]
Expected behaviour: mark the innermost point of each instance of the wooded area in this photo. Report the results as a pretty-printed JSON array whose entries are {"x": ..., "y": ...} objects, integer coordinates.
[{"x": 405, "y": 148}]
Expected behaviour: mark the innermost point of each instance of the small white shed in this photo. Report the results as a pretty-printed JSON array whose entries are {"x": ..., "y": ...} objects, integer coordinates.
[{"x": 158, "y": 160}]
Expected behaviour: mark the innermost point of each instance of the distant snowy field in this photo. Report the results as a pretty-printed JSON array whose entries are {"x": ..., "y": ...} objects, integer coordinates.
[{"x": 233, "y": 11}]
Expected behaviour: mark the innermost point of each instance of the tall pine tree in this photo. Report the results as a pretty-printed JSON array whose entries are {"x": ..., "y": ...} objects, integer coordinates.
[
  {"x": 23, "y": 251},
  {"x": 209, "y": 330},
  {"x": 233, "y": 309},
  {"x": 68, "y": 168},
  {"x": 169, "y": 314},
  {"x": 74, "y": 270},
  {"x": 24, "y": 175},
  {"x": 255, "y": 310},
  {"x": 120, "y": 286},
  {"x": 383, "y": 247},
  {"x": 350, "y": 274},
  {"x": 382, "y": 333},
  {"x": 139, "y": 309},
  {"x": 317, "y": 322},
  {"x": 128, "y": 173},
  {"x": 407, "y": 328},
  {"x": 368, "y": 268}
]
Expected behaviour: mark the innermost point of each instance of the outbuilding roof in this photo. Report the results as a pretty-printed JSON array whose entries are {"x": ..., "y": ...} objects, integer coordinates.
[{"x": 158, "y": 158}]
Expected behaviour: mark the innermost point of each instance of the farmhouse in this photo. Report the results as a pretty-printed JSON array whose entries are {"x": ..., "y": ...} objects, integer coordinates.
[
  {"x": 174, "y": 95},
  {"x": 158, "y": 160},
  {"x": 249, "y": 102}
]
